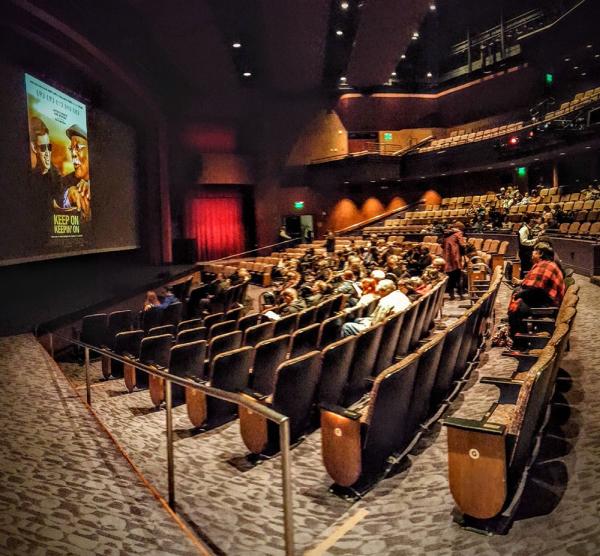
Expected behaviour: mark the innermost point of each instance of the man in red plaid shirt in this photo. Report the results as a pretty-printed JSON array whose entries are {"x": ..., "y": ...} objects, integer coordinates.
[{"x": 543, "y": 286}]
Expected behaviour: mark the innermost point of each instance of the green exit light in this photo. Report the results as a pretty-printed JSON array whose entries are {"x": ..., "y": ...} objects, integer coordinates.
[
  {"x": 549, "y": 79},
  {"x": 387, "y": 136},
  {"x": 299, "y": 205},
  {"x": 521, "y": 171}
]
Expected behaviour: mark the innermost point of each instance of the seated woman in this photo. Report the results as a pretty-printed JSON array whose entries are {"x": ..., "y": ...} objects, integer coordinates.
[
  {"x": 151, "y": 300},
  {"x": 542, "y": 286}
]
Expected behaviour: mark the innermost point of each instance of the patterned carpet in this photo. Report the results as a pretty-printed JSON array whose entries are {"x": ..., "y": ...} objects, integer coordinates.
[
  {"x": 237, "y": 508},
  {"x": 64, "y": 488}
]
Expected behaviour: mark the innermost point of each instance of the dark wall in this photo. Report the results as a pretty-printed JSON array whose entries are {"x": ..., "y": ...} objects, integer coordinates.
[{"x": 501, "y": 92}]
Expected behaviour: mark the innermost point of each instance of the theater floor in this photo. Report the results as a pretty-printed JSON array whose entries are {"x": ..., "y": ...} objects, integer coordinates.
[{"x": 237, "y": 508}]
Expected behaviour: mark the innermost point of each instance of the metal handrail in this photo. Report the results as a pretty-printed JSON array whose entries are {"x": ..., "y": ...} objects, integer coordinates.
[
  {"x": 381, "y": 216},
  {"x": 281, "y": 420}
]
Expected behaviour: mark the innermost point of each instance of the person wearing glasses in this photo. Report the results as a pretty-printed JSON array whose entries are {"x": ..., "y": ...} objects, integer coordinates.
[
  {"x": 76, "y": 194},
  {"x": 46, "y": 181}
]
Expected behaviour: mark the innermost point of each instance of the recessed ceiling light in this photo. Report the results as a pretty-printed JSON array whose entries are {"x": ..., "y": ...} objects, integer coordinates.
[
  {"x": 596, "y": 55},
  {"x": 342, "y": 78},
  {"x": 344, "y": 5},
  {"x": 429, "y": 74},
  {"x": 339, "y": 32},
  {"x": 372, "y": 181},
  {"x": 393, "y": 74},
  {"x": 583, "y": 74},
  {"x": 489, "y": 167},
  {"x": 588, "y": 147},
  {"x": 563, "y": 154},
  {"x": 346, "y": 182},
  {"x": 567, "y": 59},
  {"x": 589, "y": 46},
  {"x": 536, "y": 159},
  {"x": 432, "y": 7},
  {"x": 415, "y": 36},
  {"x": 403, "y": 57},
  {"x": 575, "y": 67},
  {"x": 466, "y": 171},
  {"x": 247, "y": 74},
  {"x": 237, "y": 45}
]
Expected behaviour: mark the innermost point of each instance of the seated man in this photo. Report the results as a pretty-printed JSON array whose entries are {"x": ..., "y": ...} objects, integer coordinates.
[
  {"x": 293, "y": 303},
  {"x": 167, "y": 297},
  {"x": 391, "y": 301},
  {"x": 543, "y": 286},
  {"x": 349, "y": 287}
]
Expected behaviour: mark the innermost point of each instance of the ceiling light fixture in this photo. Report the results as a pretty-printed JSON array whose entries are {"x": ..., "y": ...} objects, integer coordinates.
[
  {"x": 415, "y": 36},
  {"x": 567, "y": 59},
  {"x": 342, "y": 79},
  {"x": 429, "y": 74},
  {"x": 393, "y": 74},
  {"x": 247, "y": 74},
  {"x": 432, "y": 7},
  {"x": 339, "y": 32},
  {"x": 403, "y": 57},
  {"x": 344, "y": 5},
  {"x": 589, "y": 46},
  {"x": 237, "y": 45}
]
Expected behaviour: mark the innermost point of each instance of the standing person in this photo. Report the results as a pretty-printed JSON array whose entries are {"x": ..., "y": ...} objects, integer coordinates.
[
  {"x": 454, "y": 245},
  {"x": 330, "y": 242},
  {"x": 283, "y": 235},
  {"x": 526, "y": 243}
]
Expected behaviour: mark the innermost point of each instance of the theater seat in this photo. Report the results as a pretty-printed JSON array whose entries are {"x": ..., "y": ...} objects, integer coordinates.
[
  {"x": 356, "y": 445},
  {"x": 269, "y": 354},
  {"x": 229, "y": 371},
  {"x": 295, "y": 388}
]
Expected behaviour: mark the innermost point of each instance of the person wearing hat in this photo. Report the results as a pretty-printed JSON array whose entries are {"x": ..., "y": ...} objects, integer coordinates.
[{"x": 77, "y": 183}]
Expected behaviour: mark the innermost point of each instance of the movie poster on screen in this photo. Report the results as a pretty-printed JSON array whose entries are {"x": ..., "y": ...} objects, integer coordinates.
[{"x": 60, "y": 175}]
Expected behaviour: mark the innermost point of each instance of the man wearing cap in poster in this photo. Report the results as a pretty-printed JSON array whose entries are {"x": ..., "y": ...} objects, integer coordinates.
[{"x": 77, "y": 183}]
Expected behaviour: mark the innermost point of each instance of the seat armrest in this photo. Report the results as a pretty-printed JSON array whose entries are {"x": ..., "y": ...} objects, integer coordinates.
[
  {"x": 509, "y": 388},
  {"x": 519, "y": 354},
  {"x": 496, "y": 381},
  {"x": 339, "y": 410},
  {"x": 472, "y": 425},
  {"x": 544, "y": 311},
  {"x": 254, "y": 394}
]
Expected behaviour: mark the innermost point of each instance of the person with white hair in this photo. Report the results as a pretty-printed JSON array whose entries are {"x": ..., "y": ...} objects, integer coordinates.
[{"x": 391, "y": 301}]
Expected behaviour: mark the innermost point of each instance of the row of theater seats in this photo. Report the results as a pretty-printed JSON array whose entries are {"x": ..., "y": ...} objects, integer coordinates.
[
  {"x": 579, "y": 101},
  {"x": 488, "y": 457},
  {"x": 339, "y": 375},
  {"x": 290, "y": 369},
  {"x": 360, "y": 444},
  {"x": 461, "y": 137},
  {"x": 226, "y": 300},
  {"x": 260, "y": 268}
]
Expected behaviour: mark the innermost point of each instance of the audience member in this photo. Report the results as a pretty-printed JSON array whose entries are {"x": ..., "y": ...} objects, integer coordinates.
[
  {"x": 542, "y": 286},
  {"x": 391, "y": 301}
]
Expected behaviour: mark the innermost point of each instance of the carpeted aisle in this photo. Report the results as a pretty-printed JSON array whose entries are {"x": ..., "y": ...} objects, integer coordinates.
[{"x": 64, "y": 487}]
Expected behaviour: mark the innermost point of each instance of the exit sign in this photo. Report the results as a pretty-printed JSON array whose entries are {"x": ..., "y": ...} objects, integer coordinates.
[
  {"x": 521, "y": 171},
  {"x": 549, "y": 79},
  {"x": 298, "y": 205},
  {"x": 387, "y": 136}
]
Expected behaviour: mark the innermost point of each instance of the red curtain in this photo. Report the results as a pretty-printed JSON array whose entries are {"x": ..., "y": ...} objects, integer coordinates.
[{"x": 214, "y": 220}]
